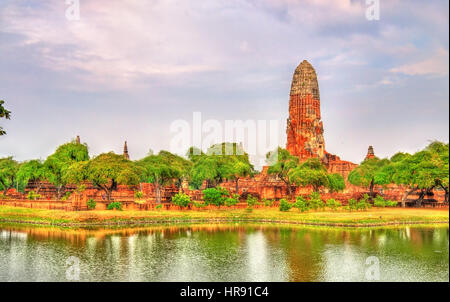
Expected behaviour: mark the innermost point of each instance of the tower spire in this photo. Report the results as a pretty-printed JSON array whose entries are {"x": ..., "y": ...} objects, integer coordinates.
[
  {"x": 125, "y": 151},
  {"x": 304, "y": 126},
  {"x": 370, "y": 153}
]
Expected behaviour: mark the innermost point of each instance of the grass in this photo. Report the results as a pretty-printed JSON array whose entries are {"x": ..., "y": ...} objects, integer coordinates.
[{"x": 372, "y": 217}]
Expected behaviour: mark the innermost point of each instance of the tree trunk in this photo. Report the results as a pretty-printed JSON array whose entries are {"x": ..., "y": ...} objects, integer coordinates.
[
  {"x": 237, "y": 185},
  {"x": 158, "y": 193},
  {"x": 420, "y": 199},
  {"x": 407, "y": 193},
  {"x": 371, "y": 189}
]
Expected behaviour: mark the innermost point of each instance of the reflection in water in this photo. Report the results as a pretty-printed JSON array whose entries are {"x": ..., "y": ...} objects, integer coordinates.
[{"x": 224, "y": 253}]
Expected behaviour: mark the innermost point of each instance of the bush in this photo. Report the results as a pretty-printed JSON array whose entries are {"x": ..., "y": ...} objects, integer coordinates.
[
  {"x": 138, "y": 194},
  {"x": 391, "y": 203},
  {"x": 251, "y": 201},
  {"x": 315, "y": 202},
  {"x": 66, "y": 196},
  {"x": 215, "y": 196},
  {"x": 352, "y": 204},
  {"x": 301, "y": 204},
  {"x": 267, "y": 202},
  {"x": 115, "y": 205},
  {"x": 91, "y": 204},
  {"x": 285, "y": 205},
  {"x": 158, "y": 206},
  {"x": 199, "y": 204},
  {"x": 333, "y": 204},
  {"x": 81, "y": 188},
  {"x": 33, "y": 196},
  {"x": 381, "y": 203},
  {"x": 231, "y": 201},
  {"x": 181, "y": 199},
  {"x": 364, "y": 203}
]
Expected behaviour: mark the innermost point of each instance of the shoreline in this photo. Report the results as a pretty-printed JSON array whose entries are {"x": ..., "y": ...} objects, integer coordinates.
[
  {"x": 377, "y": 217},
  {"x": 126, "y": 223}
]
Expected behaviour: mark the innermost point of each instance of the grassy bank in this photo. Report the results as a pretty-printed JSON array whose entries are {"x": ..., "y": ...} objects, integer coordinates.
[{"x": 372, "y": 217}]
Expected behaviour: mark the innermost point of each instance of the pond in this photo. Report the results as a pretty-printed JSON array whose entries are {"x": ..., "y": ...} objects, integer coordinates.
[{"x": 228, "y": 252}]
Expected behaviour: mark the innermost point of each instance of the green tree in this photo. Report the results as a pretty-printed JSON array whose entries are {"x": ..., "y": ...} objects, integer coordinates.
[
  {"x": 4, "y": 114},
  {"x": 57, "y": 164},
  {"x": 370, "y": 173},
  {"x": 422, "y": 171},
  {"x": 221, "y": 162},
  {"x": 182, "y": 165},
  {"x": 313, "y": 173},
  {"x": 215, "y": 196},
  {"x": 442, "y": 164},
  {"x": 32, "y": 170},
  {"x": 159, "y": 170},
  {"x": 8, "y": 173},
  {"x": 105, "y": 171},
  {"x": 281, "y": 163}
]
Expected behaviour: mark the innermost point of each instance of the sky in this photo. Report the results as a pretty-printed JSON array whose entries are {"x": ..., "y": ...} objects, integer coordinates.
[{"x": 126, "y": 70}]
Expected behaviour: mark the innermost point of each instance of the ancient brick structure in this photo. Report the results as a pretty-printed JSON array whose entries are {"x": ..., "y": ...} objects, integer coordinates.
[
  {"x": 370, "y": 153},
  {"x": 125, "y": 151},
  {"x": 304, "y": 125}
]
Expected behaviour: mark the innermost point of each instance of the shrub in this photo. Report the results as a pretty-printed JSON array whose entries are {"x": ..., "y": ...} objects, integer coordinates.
[
  {"x": 379, "y": 202},
  {"x": 352, "y": 204},
  {"x": 66, "y": 196},
  {"x": 215, "y": 196},
  {"x": 391, "y": 203},
  {"x": 285, "y": 205},
  {"x": 301, "y": 204},
  {"x": 138, "y": 194},
  {"x": 199, "y": 204},
  {"x": 91, "y": 204},
  {"x": 181, "y": 199},
  {"x": 251, "y": 201},
  {"x": 115, "y": 205},
  {"x": 267, "y": 202},
  {"x": 364, "y": 203},
  {"x": 159, "y": 206},
  {"x": 81, "y": 188},
  {"x": 231, "y": 201},
  {"x": 315, "y": 202},
  {"x": 333, "y": 204},
  {"x": 33, "y": 196}
]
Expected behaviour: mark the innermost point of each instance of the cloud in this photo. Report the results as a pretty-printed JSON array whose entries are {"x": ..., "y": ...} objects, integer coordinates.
[{"x": 436, "y": 65}]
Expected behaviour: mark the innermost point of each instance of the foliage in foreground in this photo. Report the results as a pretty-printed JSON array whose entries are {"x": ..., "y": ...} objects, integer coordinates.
[
  {"x": 181, "y": 200},
  {"x": 116, "y": 205}
]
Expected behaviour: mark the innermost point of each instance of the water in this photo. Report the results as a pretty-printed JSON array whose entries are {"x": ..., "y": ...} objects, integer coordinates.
[{"x": 224, "y": 253}]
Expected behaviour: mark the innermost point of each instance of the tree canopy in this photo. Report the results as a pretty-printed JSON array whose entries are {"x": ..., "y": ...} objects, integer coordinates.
[
  {"x": 162, "y": 169},
  {"x": 313, "y": 173},
  {"x": 32, "y": 170},
  {"x": 369, "y": 173},
  {"x": 281, "y": 163},
  {"x": 8, "y": 173},
  {"x": 105, "y": 171},
  {"x": 57, "y": 164},
  {"x": 421, "y": 171},
  {"x": 225, "y": 161},
  {"x": 4, "y": 114}
]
